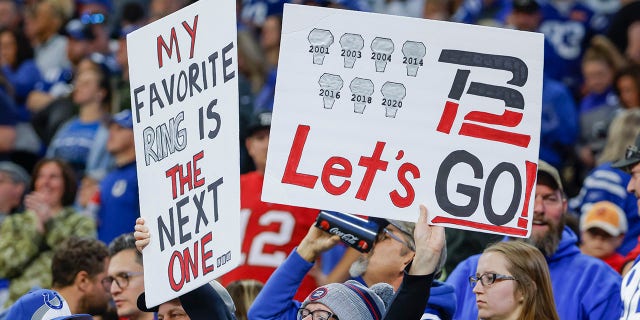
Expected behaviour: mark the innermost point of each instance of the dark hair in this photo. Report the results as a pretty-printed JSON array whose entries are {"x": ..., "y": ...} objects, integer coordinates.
[
  {"x": 77, "y": 254},
  {"x": 123, "y": 242},
  {"x": 69, "y": 177},
  {"x": 632, "y": 71},
  {"x": 104, "y": 76},
  {"x": 24, "y": 51}
]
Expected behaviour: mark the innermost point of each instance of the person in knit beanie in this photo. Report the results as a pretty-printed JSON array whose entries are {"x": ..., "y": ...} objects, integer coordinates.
[{"x": 349, "y": 300}]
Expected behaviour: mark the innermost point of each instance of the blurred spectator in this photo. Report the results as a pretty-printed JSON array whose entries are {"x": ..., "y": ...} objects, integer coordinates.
[
  {"x": 254, "y": 13},
  {"x": 79, "y": 268},
  {"x": 42, "y": 23},
  {"x": 119, "y": 200},
  {"x": 243, "y": 292},
  {"x": 10, "y": 14},
  {"x": 18, "y": 66},
  {"x": 598, "y": 107},
  {"x": 569, "y": 26},
  {"x": 282, "y": 225},
  {"x": 633, "y": 45},
  {"x": 122, "y": 93},
  {"x": 628, "y": 86},
  {"x": 161, "y": 8},
  {"x": 75, "y": 140},
  {"x": 27, "y": 240},
  {"x": 526, "y": 15},
  {"x": 8, "y": 120},
  {"x": 126, "y": 277},
  {"x": 617, "y": 32},
  {"x": 14, "y": 182},
  {"x": 483, "y": 12},
  {"x": 559, "y": 125},
  {"x": 602, "y": 228},
  {"x": 270, "y": 43},
  {"x": 607, "y": 183},
  {"x": 437, "y": 10},
  {"x": 251, "y": 72}
]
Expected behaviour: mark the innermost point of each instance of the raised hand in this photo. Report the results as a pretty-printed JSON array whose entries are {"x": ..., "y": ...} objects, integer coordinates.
[
  {"x": 430, "y": 241},
  {"x": 315, "y": 242},
  {"x": 141, "y": 234}
]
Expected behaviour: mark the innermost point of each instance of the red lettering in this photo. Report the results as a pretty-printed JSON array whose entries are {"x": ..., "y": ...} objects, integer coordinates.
[
  {"x": 190, "y": 263},
  {"x": 196, "y": 171},
  {"x": 398, "y": 200},
  {"x": 330, "y": 170},
  {"x": 448, "y": 116},
  {"x": 192, "y": 32},
  {"x": 291, "y": 174},
  {"x": 175, "y": 286},
  {"x": 190, "y": 180},
  {"x": 168, "y": 49},
  {"x": 173, "y": 172},
  {"x": 206, "y": 255},
  {"x": 373, "y": 164}
]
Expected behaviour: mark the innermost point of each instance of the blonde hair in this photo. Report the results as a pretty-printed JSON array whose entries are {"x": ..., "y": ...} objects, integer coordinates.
[
  {"x": 243, "y": 292},
  {"x": 602, "y": 49},
  {"x": 623, "y": 131},
  {"x": 527, "y": 264}
]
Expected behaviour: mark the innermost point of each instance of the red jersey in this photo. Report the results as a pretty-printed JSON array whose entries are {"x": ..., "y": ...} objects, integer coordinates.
[{"x": 270, "y": 232}]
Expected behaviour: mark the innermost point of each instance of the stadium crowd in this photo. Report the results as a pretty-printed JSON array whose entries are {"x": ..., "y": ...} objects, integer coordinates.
[{"x": 70, "y": 233}]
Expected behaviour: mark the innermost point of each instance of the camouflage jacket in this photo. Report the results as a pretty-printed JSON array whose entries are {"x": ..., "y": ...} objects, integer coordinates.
[{"x": 25, "y": 254}]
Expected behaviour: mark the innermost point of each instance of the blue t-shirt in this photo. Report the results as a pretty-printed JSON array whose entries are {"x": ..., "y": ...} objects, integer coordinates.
[
  {"x": 72, "y": 143},
  {"x": 119, "y": 203}
]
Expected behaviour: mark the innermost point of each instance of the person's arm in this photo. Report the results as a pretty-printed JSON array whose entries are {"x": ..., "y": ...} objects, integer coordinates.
[
  {"x": 411, "y": 299},
  {"x": 275, "y": 301}
]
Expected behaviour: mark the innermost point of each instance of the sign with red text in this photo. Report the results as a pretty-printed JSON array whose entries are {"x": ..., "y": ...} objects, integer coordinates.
[
  {"x": 377, "y": 114},
  {"x": 184, "y": 92}
]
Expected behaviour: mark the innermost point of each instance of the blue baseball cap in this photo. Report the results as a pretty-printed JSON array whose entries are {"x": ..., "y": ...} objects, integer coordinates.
[
  {"x": 43, "y": 304},
  {"x": 123, "y": 118}
]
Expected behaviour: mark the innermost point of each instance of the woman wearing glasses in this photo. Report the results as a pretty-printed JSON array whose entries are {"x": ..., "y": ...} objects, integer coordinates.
[{"x": 512, "y": 282}]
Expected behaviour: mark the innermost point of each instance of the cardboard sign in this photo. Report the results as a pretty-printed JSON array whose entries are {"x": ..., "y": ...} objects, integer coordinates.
[
  {"x": 184, "y": 93},
  {"x": 378, "y": 114}
]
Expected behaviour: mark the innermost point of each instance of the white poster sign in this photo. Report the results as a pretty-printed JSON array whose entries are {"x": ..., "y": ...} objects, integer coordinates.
[
  {"x": 377, "y": 114},
  {"x": 184, "y": 93}
]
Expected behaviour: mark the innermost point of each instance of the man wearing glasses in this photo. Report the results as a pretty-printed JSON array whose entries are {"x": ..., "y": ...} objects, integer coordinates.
[
  {"x": 630, "y": 289},
  {"x": 583, "y": 287},
  {"x": 393, "y": 250},
  {"x": 79, "y": 274},
  {"x": 126, "y": 277}
]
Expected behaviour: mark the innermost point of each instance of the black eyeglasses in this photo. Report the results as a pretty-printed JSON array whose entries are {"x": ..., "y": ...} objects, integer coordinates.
[
  {"x": 487, "y": 279},
  {"x": 385, "y": 234},
  {"x": 315, "y": 315},
  {"x": 121, "y": 279}
]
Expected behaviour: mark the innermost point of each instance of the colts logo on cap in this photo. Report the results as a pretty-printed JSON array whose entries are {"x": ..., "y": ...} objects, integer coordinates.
[{"x": 318, "y": 294}]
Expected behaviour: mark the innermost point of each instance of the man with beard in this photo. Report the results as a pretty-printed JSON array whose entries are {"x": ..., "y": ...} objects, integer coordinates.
[
  {"x": 79, "y": 269},
  {"x": 583, "y": 287}
]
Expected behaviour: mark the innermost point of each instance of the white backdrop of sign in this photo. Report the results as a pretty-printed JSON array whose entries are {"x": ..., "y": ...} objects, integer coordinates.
[
  {"x": 184, "y": 93},
  {"x": 377, "y": 114}
]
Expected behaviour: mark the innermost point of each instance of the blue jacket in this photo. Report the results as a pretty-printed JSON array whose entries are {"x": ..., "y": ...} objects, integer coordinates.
[
  {"x": 606, "y": 183},
  {"x": 583, "y": 287},
  {"x": 275, "y": 301}
]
